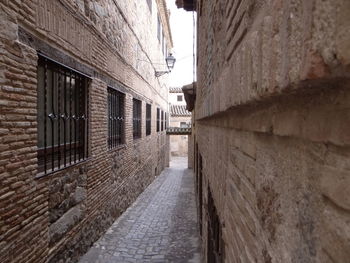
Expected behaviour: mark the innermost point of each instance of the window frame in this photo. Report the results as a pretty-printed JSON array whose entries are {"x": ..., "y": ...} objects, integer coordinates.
[
  {"x": 116, "y": 118},
  {"x": 159, "y": 28},
  {"x": 137, "y": 118},
  {"x": 158, "y": 119},
  {"x": 162, "y": 121},
  {"x": 148, "y": 119},
  {"x": 62, "y": 114}
]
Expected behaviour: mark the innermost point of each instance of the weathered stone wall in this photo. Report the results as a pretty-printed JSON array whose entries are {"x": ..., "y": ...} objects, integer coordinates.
[
  {"x": 56, "y": 218},
  {"x": 272, "y": 121}
]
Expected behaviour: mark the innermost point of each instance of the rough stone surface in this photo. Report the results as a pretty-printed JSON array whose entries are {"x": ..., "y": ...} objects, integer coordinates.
[
  {"x": 270, "y": 133},
  {"x": 161, "y": 226},
  {"x": 56, "y": 218}
]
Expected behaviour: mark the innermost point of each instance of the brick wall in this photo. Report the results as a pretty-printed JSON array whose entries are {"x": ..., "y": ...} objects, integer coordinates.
[
  {"x": 56, "y": 218},
  {"x": 272, "y": 121}
]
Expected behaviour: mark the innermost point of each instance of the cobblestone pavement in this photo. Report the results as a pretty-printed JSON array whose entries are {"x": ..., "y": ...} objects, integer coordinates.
[{"x": 161, "y": 226}]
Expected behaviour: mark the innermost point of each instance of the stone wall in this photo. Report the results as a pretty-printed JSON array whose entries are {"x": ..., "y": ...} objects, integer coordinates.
[
  {"x": 272, "y": 121},
  {"x": 56, "y": 218}
]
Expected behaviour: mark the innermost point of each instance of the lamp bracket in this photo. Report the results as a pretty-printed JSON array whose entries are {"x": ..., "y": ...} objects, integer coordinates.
[{"x": 161, "y": 73}]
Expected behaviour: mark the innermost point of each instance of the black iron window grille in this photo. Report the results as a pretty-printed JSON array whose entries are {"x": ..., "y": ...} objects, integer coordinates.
[
  {"x": 62, "y": 116},
  {"x": 136, "y": 118},
  {"x": 115, "y": 118},
  {"x": 158, "y": 119},
  {"x": 215, "y": 251},
  {"x": 148, "y": 118},
  {"x": 162, "y": 121}
]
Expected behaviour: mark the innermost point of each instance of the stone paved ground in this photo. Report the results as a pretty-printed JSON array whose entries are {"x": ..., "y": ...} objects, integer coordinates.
[{"x": 161, "y": 226}]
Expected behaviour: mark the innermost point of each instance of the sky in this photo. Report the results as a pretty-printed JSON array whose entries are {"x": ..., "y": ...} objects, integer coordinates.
[{"x": 181, "y": 23}]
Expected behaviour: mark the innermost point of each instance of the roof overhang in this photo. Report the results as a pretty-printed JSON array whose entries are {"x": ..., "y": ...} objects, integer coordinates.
[
  {"x": 188, "y": 5},
  {"x": 190, "y": 95}
]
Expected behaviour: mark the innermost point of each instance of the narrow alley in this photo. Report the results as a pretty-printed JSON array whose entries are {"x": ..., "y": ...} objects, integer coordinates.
[{"x": 161, "y": 226}]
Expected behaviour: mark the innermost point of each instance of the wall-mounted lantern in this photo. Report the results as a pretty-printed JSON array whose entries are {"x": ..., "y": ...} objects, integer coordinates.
[{"x": 170, "y": 62}]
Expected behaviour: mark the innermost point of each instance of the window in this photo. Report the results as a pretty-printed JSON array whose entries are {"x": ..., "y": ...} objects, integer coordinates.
[
  {"x": 62, "y": 116},
  {"x": 115, "y": 118},
  {"x": 148, "y": 118},
  {"x": 179, "y": 97},
  {"x": 215, "y": 250},
  {"x": 183, "y": 125},
  {"x": 136, "y": 112},
  {"x": 163, "y": 43},
  {"x": 159, "y": 28},
  {"x": 149, "y": 3},
  {"x": 165, "y": 120},
  {"x": 158, "y": 119},
  {"x": 162, "y": 121}
]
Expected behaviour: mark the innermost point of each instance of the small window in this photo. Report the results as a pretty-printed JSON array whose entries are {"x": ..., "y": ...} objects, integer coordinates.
[
  {"x": 115, "y": 118},
  {"x": 163, "y": 43},
  {"x": 136, "y": 118},
  {"x": 149, "y": 3},
  {"x": 148, "y": 118},
  {"x": 159, "y": 28},
  {"x": 158, "y": 119},
  {"x": 179, "y": 97},
  {"x": 63, "y": 109},
  {"x": 183, "y": 125},
  {"x": 162, "y": 121}
]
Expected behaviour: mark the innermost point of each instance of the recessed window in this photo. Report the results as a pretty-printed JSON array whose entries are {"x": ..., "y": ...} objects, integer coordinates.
[
  {"x": 183, "y": 125},
  {"x": 149, "y": 3},
  {"x": 179, "y": 97},
  {"x": 165, "y": 120},
  {"x": 162, "y": 121},
  {"x": 148, "y": 118},
  {"x": 115, "y": 118},
  {"x": 159, "y": 28},
  {"x": 62, "y": 116},
  {"x": 158, "y": 119},
  {"x": 136, "y": 118}
]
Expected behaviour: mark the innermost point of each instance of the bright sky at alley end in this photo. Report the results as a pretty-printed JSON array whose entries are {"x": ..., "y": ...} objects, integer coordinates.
[{"x": 181, "y": 23}]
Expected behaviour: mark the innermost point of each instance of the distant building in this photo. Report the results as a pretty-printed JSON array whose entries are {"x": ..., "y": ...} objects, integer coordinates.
[{"x": 179, "y": 117}]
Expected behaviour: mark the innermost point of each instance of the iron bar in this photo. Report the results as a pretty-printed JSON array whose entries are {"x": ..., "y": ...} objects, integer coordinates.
[
  {"x": 70, "y": 116},
  {"x": 52, "y": 116},
  {"x": 64, "y": 118},
  {"x": 59, "y": 117},
  {"x": 75, "y": 116},
  {"x": 45, "y": 115}
]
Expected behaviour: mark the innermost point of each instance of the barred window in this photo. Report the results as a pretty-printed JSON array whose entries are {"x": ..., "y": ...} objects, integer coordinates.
[
  {"x": 158, "y": 119},
  {"x": 159, "y": 28},
  {"x": 148, "y": 118},
  {"x": 162, "y": 121},
  {"x": 115, "y": 118},
  {"x": 149, "y": 3},
  {"x": 62, "y": 116},
  {"x": 136, "y": 118}
]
